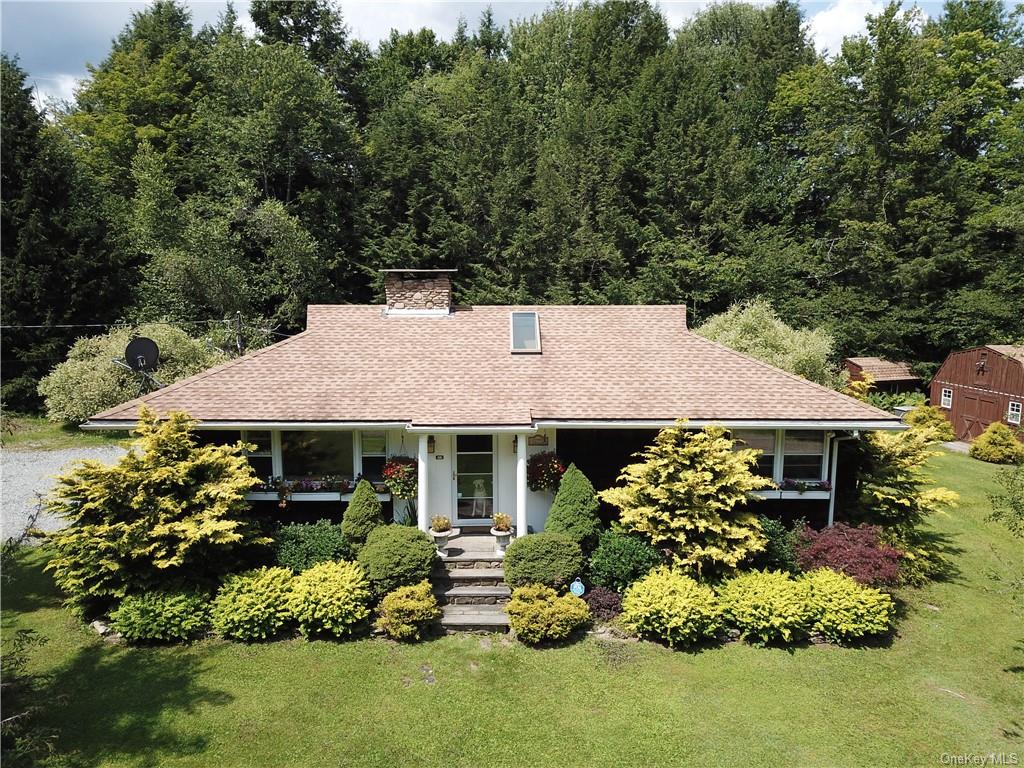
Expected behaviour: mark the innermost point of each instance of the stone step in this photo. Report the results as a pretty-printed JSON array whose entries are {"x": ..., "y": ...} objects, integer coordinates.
[
  {"x": 474, "y": 618},
  {"x": 457, "y": 559},
  {"x": 468, "y": 577},
  {"x": 474, "y": 595}
]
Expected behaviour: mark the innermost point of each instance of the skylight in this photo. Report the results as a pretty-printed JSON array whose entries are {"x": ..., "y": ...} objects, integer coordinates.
[{"x": 525, "y": 332}]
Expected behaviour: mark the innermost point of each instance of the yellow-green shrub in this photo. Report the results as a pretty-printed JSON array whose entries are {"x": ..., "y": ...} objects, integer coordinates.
[
  {"x": 538, "y": 614},
  {"x": 253, "y": 605},
  {"x": 162, "y": 616},
  {"x": 767, "y": 606},
  {"x": 406, "y": 612},
  {"x": 330, "y": 598},
  {"x": 670, "y": 606},
  {"x": 929, "y": 417},
  {"x": 845, "y": 610},
  {"x": 998, "y": 445}
]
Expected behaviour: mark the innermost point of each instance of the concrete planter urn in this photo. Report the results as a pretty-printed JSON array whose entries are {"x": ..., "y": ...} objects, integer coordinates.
[
  {"x": 502, "y": 533},
  {"x": 441, "y": 536}
]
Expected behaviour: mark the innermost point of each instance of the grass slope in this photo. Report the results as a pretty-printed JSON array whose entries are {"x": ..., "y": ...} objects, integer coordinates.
[
  {"x": 33, "y": 433},
  {"x": 951, "y": 682}
]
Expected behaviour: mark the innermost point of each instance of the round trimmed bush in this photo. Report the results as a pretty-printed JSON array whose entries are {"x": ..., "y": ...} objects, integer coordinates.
[
  {"x": 162, "y": 616},
  {"x": 551, "y": 559},
  {"x": 619, "y": 560},
  {"x": 330, "y": 598},
  {"x": 670, "y": 606},
  {"x": 998, "y": 445},
  {"x": 405, "y": 613},
  {"x": 397, "y": 556},
  {"x": 298, "y": 546},
  {"x": 931, "y": 418},
  {"x": 574, "y": 510},
  {"x": 363, "y": 514},
  {"x": 253, "y": 605},
  {"x": 538, "y": 614},
  {"x": 845, "y": 611},
  {"x": 767, "y": 606}
]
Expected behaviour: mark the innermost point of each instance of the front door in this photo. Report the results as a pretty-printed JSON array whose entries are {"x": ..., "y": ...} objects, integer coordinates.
[{"x": 474, "y": 479}]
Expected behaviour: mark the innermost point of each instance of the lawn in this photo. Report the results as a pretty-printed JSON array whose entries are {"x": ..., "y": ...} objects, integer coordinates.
[
  {"x": 951, "y": 683},
  {"x": 23, "y": 433}
]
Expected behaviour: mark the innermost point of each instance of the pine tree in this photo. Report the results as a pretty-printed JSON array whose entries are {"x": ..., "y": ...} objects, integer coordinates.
[
  {"x": 574, "y": 510},
  {"x": 363, "y": 514}
]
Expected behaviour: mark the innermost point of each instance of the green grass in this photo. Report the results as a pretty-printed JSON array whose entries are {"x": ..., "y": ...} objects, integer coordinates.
[
  {"x": 24, "y": 433},
  {"x": 951, "y": 682}
]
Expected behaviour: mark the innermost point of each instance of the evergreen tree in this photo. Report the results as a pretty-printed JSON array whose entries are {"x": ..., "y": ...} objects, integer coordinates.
[{"x": 574, "y": 509}]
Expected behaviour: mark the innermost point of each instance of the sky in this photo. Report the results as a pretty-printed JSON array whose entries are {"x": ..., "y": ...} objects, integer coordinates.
[{"x": 54, "y": 40}]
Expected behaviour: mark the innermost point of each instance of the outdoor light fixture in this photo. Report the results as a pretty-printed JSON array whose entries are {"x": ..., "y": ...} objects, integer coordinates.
[
  {"x": 431, "y": 444},
  {"x": 515, "y": 443}
]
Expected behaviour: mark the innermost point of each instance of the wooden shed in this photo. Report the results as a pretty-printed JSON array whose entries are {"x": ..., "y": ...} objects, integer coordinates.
[
  {"x": 889, "y": 376},
  {"x": 978, "y": 386}
]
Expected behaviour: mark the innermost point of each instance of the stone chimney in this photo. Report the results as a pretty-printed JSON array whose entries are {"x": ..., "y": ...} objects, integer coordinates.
[{"x": 418, "y": 291}]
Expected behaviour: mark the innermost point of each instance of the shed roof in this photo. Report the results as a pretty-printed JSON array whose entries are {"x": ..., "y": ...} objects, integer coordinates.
[
  {"x": 357, "y": 364},
  {"x": 881, "y": 369},
  {"x": 1016, "y": 352}
]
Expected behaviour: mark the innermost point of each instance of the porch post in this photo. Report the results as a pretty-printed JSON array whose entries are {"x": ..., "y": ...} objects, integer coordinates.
[
  {"x": 423, "y": 519},
  {"x": 834, "y": 446},
  {"x": 521, "y": 525}
]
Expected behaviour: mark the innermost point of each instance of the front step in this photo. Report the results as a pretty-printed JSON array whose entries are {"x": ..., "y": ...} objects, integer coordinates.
[
  {"x": 474, "y": 618},
  {"x": 468, "y": 577},
  {"x": 473, "y": 595}
]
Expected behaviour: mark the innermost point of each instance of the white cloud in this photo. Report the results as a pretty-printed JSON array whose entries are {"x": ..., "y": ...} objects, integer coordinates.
[
  {"x": 53, "y": 90},
  {"x": 841, "y": 19}
]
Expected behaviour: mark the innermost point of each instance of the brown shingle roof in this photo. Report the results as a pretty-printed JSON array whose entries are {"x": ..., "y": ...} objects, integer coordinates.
[
  {"x": 1017, "y": 353},
  {"x": 884, "y": 370},
  {"x": 354, "y": 364}
]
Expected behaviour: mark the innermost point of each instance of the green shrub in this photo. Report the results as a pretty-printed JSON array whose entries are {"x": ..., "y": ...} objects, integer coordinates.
[
  {"x": 298, "y": 546},
  {"x": 363, "y": 514},
  {"x": 574, "y": 510},
  {"x": 551, "y": 559},
  {"x": 619, "y": 560},
  {"x": 162, "y": 616},
  {"x": 397, "y": 556},
  {"x": 998, "y": 445},
  {"x": 330, "y": 598},
  {"x": 929, "y": 417},
  {"x": 767, "y": 606},
  {"x": 253, "y": 605},
  {"x": 844, "y": 610},
  {"x": 405, "y": 613},
  {"x": 670, "y": 606},
  {"x": 1008, "y": 505},
  {"x": 780, "y": 545},
  {"x": 538, "y": 614}
]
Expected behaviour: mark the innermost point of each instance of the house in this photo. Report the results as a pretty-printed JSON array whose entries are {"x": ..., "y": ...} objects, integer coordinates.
[
  {"x": 888, "y": 376},
  {"x": 472, "y": 392},
  {"x": 978, "y": 386}
]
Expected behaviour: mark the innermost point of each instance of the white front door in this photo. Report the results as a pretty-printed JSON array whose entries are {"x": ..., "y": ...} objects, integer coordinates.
[{"x": 474, "y": 479}]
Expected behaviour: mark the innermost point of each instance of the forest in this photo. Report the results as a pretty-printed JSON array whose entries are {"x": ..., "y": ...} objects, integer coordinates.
[{"x": 590, "y": 154}]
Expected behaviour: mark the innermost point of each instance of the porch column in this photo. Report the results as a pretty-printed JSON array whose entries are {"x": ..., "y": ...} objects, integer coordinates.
[
  {"x": 423, "y": 519},
  {"x": 521, "y": 525}
]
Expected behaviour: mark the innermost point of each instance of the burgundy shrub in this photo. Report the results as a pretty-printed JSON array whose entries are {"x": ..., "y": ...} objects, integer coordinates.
[
  {"x": 605, "y": 604},
  {"x": 857, "y": 552}
]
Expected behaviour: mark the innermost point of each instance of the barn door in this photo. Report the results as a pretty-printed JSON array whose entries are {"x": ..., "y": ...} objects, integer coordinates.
[{"x": 979, "y": 411}]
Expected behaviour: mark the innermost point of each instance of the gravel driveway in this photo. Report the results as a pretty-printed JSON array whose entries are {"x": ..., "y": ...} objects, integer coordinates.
[{"x": 27, "y": 473}]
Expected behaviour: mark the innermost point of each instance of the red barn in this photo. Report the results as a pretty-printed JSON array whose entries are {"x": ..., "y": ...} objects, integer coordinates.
[
  {"x": 889, "y": 376},
  {"x": 978, "y": 386}
]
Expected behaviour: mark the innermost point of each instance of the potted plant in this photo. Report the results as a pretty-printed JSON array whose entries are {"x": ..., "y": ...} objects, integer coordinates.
[
  {"x": 501, "y": 530},
  {"x": 441, "y": 529}
]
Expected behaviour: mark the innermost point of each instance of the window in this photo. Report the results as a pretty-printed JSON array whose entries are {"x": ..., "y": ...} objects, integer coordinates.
[
  {"x": 525, "y": 332},
  {"x": 1013, "y": 414},
  {"x": 763, "y": 440},
  {"x": 316, "y": 454},
  {"x": 947, "y": 398},
  {"x": 260, "y": 459},
  {"x": 803, "y": 454},
  {"x": 374, "y": 452}
]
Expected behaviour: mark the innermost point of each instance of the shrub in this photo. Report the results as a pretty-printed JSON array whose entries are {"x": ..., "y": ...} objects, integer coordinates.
[
  {"x": 363, "y": 514},
  {"x": 538, "y": 614},
  {"x": 670, "y": 606},
  {"x": 162, "y": 616},
  {"x": 688, "y": 493},
  {"x": 857, "y": 552},
  {"x": 929, "y": 417},
  {"x": 1008, "y": 506},
  {"x": 169, "y": 514},
  {"x": 767, "y": 606},
  {"x": 406, "y": 612},
  {"x": 605, "y": 604},
  {"x": 619, "y": 560},
  {"x": 330, "y": 598},
  {"x": 297, "y": 546},
  {"x": 574, "y": 510},
  {"x": 253, "y": 605},
  {"x": 844, "y": 610},
  {"x": 86, "y": 383},
  {"x": 551, "y": 559},
  {"x": 998, "y": 445},
  {"x": 780, "y": 545},
  {"x": 397, "y": 556}
]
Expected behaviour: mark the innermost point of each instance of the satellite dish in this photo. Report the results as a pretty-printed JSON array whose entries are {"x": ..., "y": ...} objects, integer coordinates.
[{"x": 142, "y": 354}]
